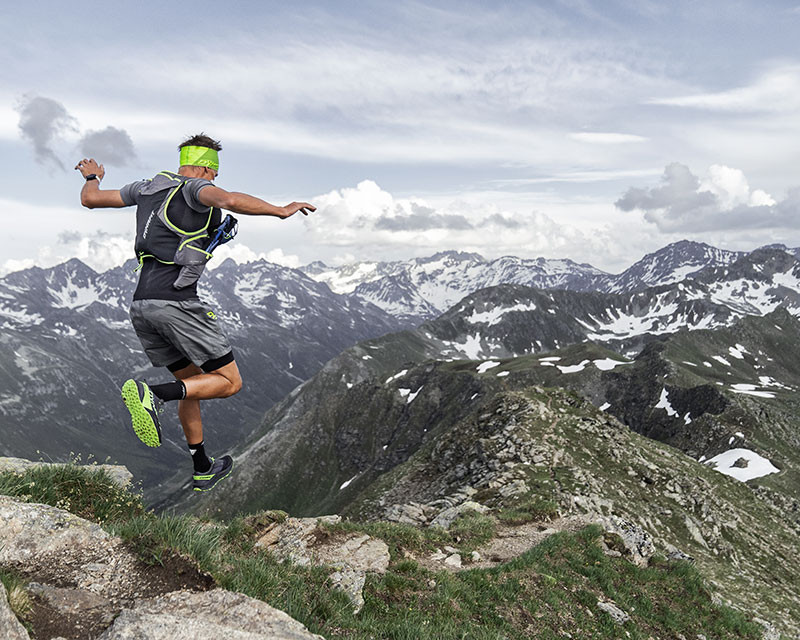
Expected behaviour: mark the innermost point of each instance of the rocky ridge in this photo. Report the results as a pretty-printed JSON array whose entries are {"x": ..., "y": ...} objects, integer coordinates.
[
  {"x": 86, "y": 583},
  {"x": 550, "y": 445}
]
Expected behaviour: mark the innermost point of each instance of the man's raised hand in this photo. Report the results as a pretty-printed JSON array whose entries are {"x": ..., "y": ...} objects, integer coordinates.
[
  {"x": 304, "y": 207},
  {"x": 89, "y": 166}
]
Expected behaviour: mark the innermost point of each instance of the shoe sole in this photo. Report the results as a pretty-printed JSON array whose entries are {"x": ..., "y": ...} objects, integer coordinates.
[
  {"x": 143, "y": 425},
  {"x": 216, "y": 482}
]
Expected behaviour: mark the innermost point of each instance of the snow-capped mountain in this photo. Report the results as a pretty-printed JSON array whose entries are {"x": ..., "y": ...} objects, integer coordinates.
[
  {"x": 67, "y": 344},
  {"x": 423, "y": 288},
  {"x": 508, "y": 320},
  {"x": 673, "y": 263}
]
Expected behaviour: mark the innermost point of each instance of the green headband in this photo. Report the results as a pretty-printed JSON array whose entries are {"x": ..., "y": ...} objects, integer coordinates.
[{"x": 199, "y": 157}]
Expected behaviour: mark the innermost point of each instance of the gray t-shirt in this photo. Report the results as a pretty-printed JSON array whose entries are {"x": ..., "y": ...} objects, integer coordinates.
[{"x": 166, "y": 180}]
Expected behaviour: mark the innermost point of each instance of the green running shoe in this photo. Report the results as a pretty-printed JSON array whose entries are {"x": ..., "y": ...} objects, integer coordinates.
[
  {"x": 144, "y": 413},
  {"x": 220, "y": 469}
]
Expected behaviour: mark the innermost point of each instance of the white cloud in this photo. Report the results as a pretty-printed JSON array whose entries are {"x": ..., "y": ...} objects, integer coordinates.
[
  {"x": 242, "y": 254},
  {"x": 722, "y": 200},
  {"x": 731, "y": 188},
  {"x": 12, "y": 265},
  {"x": 99, "y": 250},
  {"x": 606, "y": 138},
  {"x": 775, "y": 91},
  {"x": 356, "y": 219},
  {"x": 511, "y": 99}
]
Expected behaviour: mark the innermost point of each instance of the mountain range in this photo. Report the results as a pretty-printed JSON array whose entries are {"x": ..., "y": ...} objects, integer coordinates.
[
  {"x": 664, "y": 396},
  {"x": 424, "y": 288},
  {"x": 67, "y": 345}
]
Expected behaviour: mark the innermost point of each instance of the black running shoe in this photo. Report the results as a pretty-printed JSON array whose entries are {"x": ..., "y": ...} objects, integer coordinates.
[
  {"x": 220, "y": 469},
  {"x": 144, "y": 410}
]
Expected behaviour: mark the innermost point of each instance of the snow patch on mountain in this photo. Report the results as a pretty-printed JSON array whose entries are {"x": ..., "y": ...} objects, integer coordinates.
[
  {"x": 20, "y": 316},
  {"x": 742, "y": 464},
  {"x": 73, "y": 296},
  {"x": 743, "y": 296},
  {"x": 400, "y": 374},
  {"x": 751, "y": 390},
  {"x": 471, "y": 347},
  {"x": 575, "y": 368},
  {"x": 485, "y": 366},
  {"x": 607, "y": 364},
  {"x": 737, "y": 352},
  {"x": 663, "y": 403},
  {"x": 493, "y": 316}
]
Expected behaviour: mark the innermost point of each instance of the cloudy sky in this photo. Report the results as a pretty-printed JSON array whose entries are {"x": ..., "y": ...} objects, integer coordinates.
[{"x": 596, "y": 131}]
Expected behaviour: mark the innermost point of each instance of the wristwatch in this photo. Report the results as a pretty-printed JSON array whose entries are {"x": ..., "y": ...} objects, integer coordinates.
[{"x": 92, "y": 176}]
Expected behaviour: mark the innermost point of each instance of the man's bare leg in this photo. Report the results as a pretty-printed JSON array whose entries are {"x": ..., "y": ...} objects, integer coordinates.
[
  {"x": 198, "y": 385},
  {"x": 221, "y": 383}
]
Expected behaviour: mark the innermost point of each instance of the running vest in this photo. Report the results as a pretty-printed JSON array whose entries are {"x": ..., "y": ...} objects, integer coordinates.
[{"x": 170, "y": 231}]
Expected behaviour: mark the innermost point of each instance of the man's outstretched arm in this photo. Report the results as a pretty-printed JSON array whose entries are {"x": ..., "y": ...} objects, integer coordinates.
[
  {"x": 91, "y": 194},
  {"x": 212, "y": 196}
]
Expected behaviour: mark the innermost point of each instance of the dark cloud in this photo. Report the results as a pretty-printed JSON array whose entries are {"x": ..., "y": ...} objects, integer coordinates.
[
  {"x": 70, "y": 237},
  {"x": 680, "y": 204},
  {"x": 42, "y": 121},
  {"x": 422, "y": 219},
  {"x": 109, "y": 146},
  {"x": 501, "y": 220},
  {"x": 679, "y": 192}
]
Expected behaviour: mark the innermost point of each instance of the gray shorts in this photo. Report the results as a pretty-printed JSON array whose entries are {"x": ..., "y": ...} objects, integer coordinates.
[{"x": 175, "y": 332}]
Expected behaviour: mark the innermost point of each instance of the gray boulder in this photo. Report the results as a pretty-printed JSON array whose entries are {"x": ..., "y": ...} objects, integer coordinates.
[
  {"x": 10, "y": 627},
  {"x": 186, "y": 615},
  {"x": 617, "y": 614},
  {"x": 629, "y": 539},
  {"x": 37, "y": 535}
]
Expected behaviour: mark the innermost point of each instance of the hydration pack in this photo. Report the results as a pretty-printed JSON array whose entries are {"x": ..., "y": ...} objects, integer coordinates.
[{"x": 162, "y": 240}]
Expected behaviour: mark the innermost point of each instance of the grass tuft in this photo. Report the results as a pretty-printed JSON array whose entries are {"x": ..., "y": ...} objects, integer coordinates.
[
  {"x": 531, "y": 510},
  {"x": 18, "y": 599},
  {"x": 85, "y": 492}
]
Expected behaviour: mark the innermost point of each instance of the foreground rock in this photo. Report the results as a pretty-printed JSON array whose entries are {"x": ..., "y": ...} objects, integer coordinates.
[
  {"x": 58, "y": 547},
  {"x": 627, "y": 539},
  {"x": 82, "y": 579},
  {"x": 213, "y": 614},
  {"x": 10, "y": 628},
  {"x": 117, "y": 472},
  {"x": 305, "y": 542}
]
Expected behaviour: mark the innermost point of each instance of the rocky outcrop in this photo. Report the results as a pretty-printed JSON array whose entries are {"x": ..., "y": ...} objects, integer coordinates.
[
  {"x": 57, "y": 547},
  {"x": 212, "y": 614},
  {"x": 117, "y": 472},
  {"x": 83, "y": 579},
  {"x": 627, "y": 539},
  {"x": 306, "y": 541}
]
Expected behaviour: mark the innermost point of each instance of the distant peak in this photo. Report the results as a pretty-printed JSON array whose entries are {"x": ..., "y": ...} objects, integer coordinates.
[
  {"x": 460, "y": 255},
  {"x": 74, "y": 264}
]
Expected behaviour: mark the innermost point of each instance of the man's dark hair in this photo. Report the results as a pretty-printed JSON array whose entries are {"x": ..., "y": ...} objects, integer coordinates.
[{"x": 201, "y": 140}]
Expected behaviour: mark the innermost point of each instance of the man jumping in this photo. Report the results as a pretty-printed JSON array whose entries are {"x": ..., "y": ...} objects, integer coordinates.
[{"x": 176, "y": 217}]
